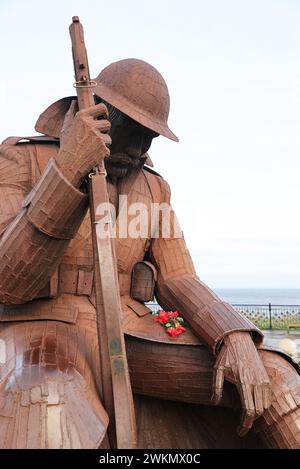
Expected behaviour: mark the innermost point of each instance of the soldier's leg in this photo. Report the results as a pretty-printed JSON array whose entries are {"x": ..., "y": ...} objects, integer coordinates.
[
  {"x": 184, "y": 373},
  {"x": 174, "y": 372},
  {"x": 279, "y": 426},
  {"x": 48, "y": 395}
]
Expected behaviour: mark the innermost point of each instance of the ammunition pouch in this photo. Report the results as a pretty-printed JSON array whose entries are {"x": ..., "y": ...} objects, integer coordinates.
[{"x": 143, "y": 280}]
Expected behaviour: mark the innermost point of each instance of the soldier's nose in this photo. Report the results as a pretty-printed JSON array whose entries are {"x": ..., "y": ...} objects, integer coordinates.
[
  {"x": 134, "y": 147},
  {"x": 134, "y": 151}
]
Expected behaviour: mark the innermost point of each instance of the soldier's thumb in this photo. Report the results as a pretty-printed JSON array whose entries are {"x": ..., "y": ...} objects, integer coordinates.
[{"x": 69, "y": 117}]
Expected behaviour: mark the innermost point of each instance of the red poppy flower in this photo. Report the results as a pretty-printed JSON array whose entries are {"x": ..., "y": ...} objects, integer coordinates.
[
  {"x": 173, "y": 314},
  {"x": 162, "y": 317},
  {"x": 176, "y": 331},
  {"x": 172, "y": 322}
]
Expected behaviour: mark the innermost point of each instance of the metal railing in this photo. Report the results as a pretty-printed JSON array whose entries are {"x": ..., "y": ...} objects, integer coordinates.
[
  {"x": 264, "y": 316},
  {"x": 270, "y": 316}
]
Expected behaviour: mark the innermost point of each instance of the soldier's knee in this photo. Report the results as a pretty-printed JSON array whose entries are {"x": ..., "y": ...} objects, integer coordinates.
[
  {"x": 279, "y": 425},
  {"x": 279, "y": 368},
  {"x": 285, "y": 381}
]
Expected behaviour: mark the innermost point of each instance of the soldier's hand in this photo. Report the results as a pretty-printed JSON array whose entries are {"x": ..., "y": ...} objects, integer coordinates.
[
  {"x": 239, "y": 363},
  {"x": 84, "y": 141}
]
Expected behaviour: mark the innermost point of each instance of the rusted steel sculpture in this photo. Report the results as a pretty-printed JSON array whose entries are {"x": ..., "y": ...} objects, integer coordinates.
[{"x": 50, "y": 373}]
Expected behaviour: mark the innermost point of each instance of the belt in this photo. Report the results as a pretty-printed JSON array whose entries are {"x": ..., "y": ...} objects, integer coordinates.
[{"x": 79, "y": 281}]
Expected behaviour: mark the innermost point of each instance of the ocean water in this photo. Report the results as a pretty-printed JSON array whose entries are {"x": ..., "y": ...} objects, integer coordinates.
[{"x": 276, "y": 296}]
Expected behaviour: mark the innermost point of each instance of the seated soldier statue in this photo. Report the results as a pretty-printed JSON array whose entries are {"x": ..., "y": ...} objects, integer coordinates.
[{"x": 49, "y": 364}]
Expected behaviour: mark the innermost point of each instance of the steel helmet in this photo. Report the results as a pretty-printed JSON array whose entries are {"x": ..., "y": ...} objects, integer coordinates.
[{"x": 139, "y": 91}]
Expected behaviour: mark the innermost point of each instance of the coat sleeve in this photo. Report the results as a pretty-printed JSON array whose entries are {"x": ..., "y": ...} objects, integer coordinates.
[
  {"x": 36, "y": 224},
  {"x": 179, "y": 288}
]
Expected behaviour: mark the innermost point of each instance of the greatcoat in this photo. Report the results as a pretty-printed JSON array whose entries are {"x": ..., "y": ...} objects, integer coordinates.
[{"x": 47, "y": 312}]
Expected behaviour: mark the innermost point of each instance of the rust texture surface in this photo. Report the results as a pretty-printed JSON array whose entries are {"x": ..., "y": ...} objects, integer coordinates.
[{"x": 50, "y": 385}]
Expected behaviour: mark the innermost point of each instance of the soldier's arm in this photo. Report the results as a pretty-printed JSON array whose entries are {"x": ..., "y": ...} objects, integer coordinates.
[
  {"x": 179, "y": 288},
  {"x": 35, "y": 225},
  {"x": 224, "y": 331}
]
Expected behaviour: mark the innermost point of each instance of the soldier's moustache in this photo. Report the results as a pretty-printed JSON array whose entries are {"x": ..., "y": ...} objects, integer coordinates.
[
  {"x": 123, "y": 159},
  {"x": 119, "y": 164}
]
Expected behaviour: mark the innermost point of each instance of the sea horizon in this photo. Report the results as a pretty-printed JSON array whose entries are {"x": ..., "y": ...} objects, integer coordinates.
[{"x": 281, "y": 296}]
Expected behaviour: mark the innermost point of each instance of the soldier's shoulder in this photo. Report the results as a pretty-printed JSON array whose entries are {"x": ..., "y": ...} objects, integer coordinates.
[
  {"x": 24, "y": 150},
  {"x": 164, "y": 186},
  {"x": 151, "y": 171},
  {"x": 21, "y": 141},
  {"x": 155, "y": 174}
]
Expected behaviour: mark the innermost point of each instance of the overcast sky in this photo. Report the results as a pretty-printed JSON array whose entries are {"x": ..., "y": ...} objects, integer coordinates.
[{"x": 233, "y": 71}]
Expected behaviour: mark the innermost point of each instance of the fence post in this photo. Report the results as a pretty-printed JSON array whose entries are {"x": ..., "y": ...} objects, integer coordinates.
[{"x": 270, "y": 316}]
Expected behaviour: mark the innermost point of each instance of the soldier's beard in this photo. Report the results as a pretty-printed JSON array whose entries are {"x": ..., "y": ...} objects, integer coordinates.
[{"x": 118, "y": 165}]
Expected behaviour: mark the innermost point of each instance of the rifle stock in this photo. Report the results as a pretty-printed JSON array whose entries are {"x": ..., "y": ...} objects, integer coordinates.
[{"x": 116, "y": 388}]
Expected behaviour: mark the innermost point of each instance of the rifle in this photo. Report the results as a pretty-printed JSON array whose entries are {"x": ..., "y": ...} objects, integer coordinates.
[{"x": 115, "y": 388}]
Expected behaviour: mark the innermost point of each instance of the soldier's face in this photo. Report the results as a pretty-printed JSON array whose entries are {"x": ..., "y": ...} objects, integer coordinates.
[{"x": 130, "y": 140}]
